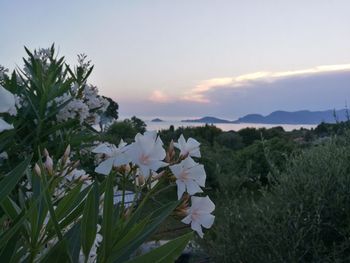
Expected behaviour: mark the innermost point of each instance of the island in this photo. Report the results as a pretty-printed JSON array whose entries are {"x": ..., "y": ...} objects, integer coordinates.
[
  {"x": 284, "y": 117},
  {"x": 157, "y": 120},
  {"x": 208, "y": 119},
  {"x": 296, "y": 117}
]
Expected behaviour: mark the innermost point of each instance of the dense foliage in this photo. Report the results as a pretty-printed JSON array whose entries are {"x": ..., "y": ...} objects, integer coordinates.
[{"x": 302, "y": 218}]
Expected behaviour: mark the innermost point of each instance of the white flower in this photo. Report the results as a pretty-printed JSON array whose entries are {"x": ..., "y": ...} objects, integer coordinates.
[
  {"x": 189, "y": 176},
  {"x": 116, "y": 156},
  {"x": 4, "y": 125},
  {"x": 3, "y": 72},
  {"x": 199, "y": 214},
  {"x": 147, "y": 152},
  {"x": 75, "y": 174},
  {"x": 7, "y": 104},
  {"x": 76, "y": 108},
  {"x": 4, "y": 156},
  {"x": 191, "y": 147}
]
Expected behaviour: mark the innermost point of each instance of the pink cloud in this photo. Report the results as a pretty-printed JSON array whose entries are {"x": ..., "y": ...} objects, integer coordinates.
[{"x": 159, "y": 96}]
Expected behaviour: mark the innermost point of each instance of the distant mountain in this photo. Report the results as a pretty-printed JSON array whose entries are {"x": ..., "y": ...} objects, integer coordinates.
[
  {"x": 297, "y": 117},
  {"x": 208, "y": 119},
  {"x": 157, "y": 120},
  {"x": 284, "y": 117}
]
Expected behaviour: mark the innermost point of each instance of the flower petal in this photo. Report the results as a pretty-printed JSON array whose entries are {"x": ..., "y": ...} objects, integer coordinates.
[
  {"x": 103, "y": 148},
  {"x": 203, "y": 204},
  {"x": 7, "y": 100},
  {"x": 121, "y": 159},
  {"x": 192, "y": 187},
  {"x": 197, "y": 227},
  {"x": 181, "y": 187},
  {"x": 206, "y": 220},
  {"x": 155, "y": 165},
  {"x": 4, "y": 125},
  {"x": 198, "y": 174},
  {"x": 105, "y": 167},
  {"x": 187, "y": 219}
]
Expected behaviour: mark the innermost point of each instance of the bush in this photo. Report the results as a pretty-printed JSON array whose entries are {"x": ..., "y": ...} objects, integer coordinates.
[
  {"x": 67, "y": 196},
  {"x": 305, "y": 218},
  {"x": 126, "y": 130}
]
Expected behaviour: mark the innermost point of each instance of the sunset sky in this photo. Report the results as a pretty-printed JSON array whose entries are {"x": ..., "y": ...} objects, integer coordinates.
[{"x": 195, "y": 57}]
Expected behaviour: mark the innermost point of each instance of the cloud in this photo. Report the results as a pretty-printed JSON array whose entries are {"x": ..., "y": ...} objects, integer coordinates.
[
  {"x": 319, "y": 88},
  {"x": 200, "y": 91},
  {"x": 159, "y": 96}
]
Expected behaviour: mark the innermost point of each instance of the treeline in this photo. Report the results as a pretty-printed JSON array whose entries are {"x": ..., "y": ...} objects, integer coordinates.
[{"x": 250, "y": 153}]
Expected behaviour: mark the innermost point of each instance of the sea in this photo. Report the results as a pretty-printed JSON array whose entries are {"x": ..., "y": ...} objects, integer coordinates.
[{"x": 223, "y": 126}]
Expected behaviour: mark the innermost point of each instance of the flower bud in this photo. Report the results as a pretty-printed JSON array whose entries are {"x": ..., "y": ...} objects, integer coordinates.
[
  {"x": 156, "y": 176},
  {"x": 46, "y": 153},
  {"x": 66, "y": 154},
  {"x": 84, "y": 178},
  {"x": 49, "y": 164},
  {"x": 140, "y": 180},
  {"x": 37, "y": 170},
  {"x": 170, "y": 154},
  {"x": 127, "y": 213},
  {"x": 182, "y": 209},
  {"x": 75, "y": 165}
]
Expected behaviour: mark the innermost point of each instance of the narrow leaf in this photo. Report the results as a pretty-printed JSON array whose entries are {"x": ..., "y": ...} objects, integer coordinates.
[{"x": 167, "y": 253}]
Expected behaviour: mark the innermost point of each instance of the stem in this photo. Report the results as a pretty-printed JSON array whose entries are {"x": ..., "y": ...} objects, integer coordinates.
[{"x": 123, "y": 192}]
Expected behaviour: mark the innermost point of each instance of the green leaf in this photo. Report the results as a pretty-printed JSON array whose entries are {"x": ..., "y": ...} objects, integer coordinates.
[
  {"x": 12, "y": 178},
  {"x": 167, "y": 253},
  {"x": 9, "y": 233},
  {"x": 58, "y": 253},
  {"x": 123, "y": 252},
  {"x": 74, "y": 242},
  {"x": 49, "y": 204},
  {"x": 10, "y": 207},
  {"x": 89, "y": 220},
  {"x": 10, "y": 249},
  {"x": 107, "y": 221},
  {"x": 67, "y": 202}
]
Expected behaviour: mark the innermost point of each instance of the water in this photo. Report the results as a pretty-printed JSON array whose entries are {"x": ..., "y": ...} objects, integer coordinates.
[{"x": 223, "y": 126}]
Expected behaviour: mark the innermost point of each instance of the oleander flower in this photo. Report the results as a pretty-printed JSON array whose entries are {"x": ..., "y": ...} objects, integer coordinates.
[
  {"x": 115, "y": 156},
  {"x": 147, "y": 152},
  {"x": 190, "y": 176},
  {"x": 191, "y": 147},
  {"x": 7, "y": 105},
  {"x": 199, "y": 214}
]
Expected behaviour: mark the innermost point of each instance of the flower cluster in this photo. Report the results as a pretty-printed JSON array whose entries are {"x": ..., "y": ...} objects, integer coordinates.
[
  {"x": 84, "y": 104},
  {"x": 7, "y": 105},
  {"x": 147, "y": 155},
  {"x": 3, "y": 72}
]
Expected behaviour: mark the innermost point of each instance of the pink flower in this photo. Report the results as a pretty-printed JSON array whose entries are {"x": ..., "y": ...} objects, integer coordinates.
[
  {"x": 190, "y": 176},
  {"x": 147, "y": 152},
  {"x": 191, "y": 147},
  {"x": 199, "y": 214},
  {"x": 115, "y": 156}
]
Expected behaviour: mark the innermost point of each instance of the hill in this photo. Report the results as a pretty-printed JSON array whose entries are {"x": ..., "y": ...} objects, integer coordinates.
[{"x": 297, "y": 117}]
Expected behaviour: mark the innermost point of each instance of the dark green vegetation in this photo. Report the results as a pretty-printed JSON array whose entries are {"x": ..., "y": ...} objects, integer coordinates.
[
  {"x": 280, "y": 196},
  {"x": 302, "y": 217}
]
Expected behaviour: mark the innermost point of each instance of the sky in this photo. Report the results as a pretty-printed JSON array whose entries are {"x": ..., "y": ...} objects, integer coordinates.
[{"x": 195, "y": 57}]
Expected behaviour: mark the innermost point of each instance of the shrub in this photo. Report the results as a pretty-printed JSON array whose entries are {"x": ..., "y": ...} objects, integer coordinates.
[{"x": 304, "y": 218}]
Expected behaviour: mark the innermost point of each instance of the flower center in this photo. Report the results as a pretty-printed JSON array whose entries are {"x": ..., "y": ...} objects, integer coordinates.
[
  {"x": 184, "y": 176},
  {"x": 144, "y": 159},
  {"x": 194, "y": 216}
]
